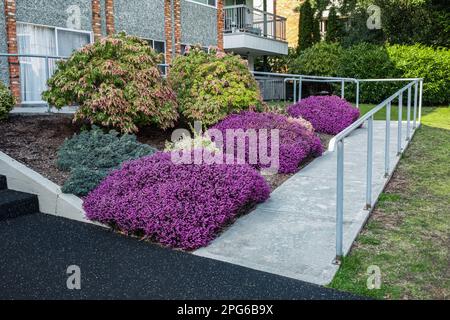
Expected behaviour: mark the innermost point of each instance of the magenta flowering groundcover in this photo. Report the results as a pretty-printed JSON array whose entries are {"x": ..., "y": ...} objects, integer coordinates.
[
  {"x": 296, "y": 143},
  {"x": 178, "y": 205},
  {"x": 327, "y": 114}
]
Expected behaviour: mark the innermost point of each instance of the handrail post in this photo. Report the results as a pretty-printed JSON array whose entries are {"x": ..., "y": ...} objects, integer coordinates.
[
  {"x": 387, "y": 140},
  {"x": 408, "y": 115},
  {"x": 399, "y": 124},
  {"x": 420, "y": 101},
  {"x": 342, "y": 89},
  {"x": 47, "y": 76},
  {"x": 369, "y": 163},
  {"x": 339, "y": 202},
  {"x": 416, "y": 91},
  {"x": 300, "y": 89},
  {"x": 357, "y": 94},
  {"x": 294, "y": 82}
]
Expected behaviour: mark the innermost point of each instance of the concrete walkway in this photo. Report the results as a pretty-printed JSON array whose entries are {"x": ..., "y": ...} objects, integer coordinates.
[{"x": 293, "y": 233}]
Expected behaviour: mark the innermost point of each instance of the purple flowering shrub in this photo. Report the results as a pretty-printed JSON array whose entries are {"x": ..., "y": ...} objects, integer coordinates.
[
  {"x": 296, "y": 142},
  {"x": 327, "y": 114},
  {"x": 178, "y": 205}
]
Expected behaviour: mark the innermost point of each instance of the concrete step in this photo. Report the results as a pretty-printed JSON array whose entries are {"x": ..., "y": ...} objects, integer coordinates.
[
  {"x": 3, "y": 184},
  {"x": 14, "y": 204}
]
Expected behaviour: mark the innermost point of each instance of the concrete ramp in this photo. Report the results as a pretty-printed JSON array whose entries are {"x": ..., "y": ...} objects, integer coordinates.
[{"x": 293, "y": 233}]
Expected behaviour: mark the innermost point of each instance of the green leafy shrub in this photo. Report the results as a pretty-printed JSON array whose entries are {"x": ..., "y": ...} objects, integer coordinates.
[
  {"x": 322, "y": 59},
  {"x": 117, "y": 83},
  {"x": 212, "y": 85},
  {"x": 369, "y": 61},
  {"x": 431, "y": 64},
  {"x": 7, "y": 101},
  {"x": 91, "y": 155}
]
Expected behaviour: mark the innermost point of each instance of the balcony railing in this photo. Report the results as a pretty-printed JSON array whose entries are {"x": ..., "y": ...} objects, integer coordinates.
[{"x": 243, "y": 19}]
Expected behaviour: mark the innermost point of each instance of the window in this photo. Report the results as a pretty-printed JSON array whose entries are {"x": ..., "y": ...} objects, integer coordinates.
[
  {"x": 160, "y": 47},
  {"x": 43, "y": 40},
  {"x": 211, "y": 3},
  {"x": 184, "y": 48}
]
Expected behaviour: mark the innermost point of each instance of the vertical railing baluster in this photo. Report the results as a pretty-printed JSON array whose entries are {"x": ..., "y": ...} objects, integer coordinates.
[
  {"x": 357, "y": 94},
  {"x": 387, "y": 139},
  {"x": 399, "y": 124},
  {"x": 416, "y": 91},
  {"x": 408, "y": 116},
  {"x": 294, "y": 82},
  {"x": 300, "y": 89},
  {"x": 420, "y": 101},
  {"x": 339, "y": 201},
  {"x": 369, "y": 163}
]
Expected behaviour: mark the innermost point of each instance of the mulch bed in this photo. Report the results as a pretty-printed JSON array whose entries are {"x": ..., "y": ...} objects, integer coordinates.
[{"x": 35, "y": 139}]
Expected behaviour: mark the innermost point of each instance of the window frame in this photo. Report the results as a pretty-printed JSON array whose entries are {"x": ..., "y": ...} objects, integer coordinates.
[
  {"x": 204, "y": 4},
  {"x": 55, "y": 33},
  {"x": 55, "y": 30}
]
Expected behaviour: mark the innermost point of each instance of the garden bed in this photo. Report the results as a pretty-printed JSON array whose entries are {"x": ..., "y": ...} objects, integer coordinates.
[{"x": 35, "y": 139}]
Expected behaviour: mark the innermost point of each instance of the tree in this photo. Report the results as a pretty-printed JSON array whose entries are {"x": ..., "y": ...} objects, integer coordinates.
[
  {"x": 334, "y": 27},
  {"x": 306, "y": 26}
]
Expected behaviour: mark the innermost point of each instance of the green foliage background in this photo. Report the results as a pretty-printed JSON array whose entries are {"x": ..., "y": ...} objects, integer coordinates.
[{"x": 7, "y": 101}]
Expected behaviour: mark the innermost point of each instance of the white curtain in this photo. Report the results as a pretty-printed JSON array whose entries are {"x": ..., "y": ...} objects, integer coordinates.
[
  {"x": 33, "y": 39},
  {"x": 41, "y": 40},
  {"x": 69, "y": 41}
]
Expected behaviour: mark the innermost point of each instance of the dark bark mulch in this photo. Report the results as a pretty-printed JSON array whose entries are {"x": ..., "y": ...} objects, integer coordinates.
[{"x": 35, "y": 139}]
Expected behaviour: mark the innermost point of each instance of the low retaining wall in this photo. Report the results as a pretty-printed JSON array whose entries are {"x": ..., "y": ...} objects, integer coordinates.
[{"x": 51, "y": 199}]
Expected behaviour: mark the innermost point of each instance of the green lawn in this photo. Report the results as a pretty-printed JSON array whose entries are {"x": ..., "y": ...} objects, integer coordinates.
[{"x": 408, "y": 234}]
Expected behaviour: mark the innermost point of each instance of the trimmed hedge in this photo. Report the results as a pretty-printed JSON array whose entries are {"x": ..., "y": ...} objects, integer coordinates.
[
  {"x": 296, "y": 142},
  {"x": 178, "y": 205},
  {"x": 327, "y": 114},
  {"x": 322, "y": 59},
  {"x": 91, "y": 155},
  {"x": 374, "y": 61},
  {"x": 7, "y": 101}
]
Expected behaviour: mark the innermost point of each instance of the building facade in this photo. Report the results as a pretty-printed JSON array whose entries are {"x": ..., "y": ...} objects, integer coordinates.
[{"x": 56, "y": 28}]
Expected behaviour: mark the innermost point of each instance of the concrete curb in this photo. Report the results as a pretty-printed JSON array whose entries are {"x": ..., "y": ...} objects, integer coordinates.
[{"x": 51, "y": 199}]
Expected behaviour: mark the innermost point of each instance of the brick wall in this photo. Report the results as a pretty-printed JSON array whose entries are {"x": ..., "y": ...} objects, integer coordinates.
[
  {"x": 109, "y": 9},
  {"x": 220, "y": 24},
  {"x": 11, "y": 40},
  {"x": 170, "y": 25},
  {"x": 96, "y": 19}
]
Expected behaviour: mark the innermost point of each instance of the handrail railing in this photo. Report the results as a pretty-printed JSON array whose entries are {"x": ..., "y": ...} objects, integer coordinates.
[
  {"x": 241, "y": 18},
  {"x": 413, "y": 120},
  {"x": 298, "y": 79},
  {"x": 338, "y": 143}
]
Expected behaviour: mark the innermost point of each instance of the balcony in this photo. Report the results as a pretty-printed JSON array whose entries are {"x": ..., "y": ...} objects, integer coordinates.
[{"x": 250, "y": 31}]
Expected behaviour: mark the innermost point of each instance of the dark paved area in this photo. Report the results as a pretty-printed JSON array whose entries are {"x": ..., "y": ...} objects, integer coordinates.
[{"x": 35, "y": 251}]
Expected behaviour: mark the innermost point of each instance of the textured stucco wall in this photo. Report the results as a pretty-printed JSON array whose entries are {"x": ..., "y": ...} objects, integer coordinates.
[
  {"x": 4, "y": 75},
  {"x": 53, "y": 12},
  {"x": 140, "y": 18},
  {"x": 198, "y": 24}
]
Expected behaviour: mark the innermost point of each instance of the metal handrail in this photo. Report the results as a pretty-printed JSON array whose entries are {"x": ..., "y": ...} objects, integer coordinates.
[
  {"x": 338, "y": 141},
  {"x": 298, "y": 80}
]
